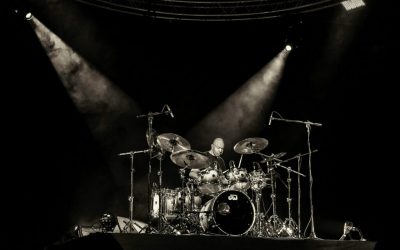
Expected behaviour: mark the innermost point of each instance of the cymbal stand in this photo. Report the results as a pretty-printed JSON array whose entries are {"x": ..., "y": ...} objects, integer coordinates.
[
  {"x": 159, "y": 173},
  {"x": 129, "y": 228},
  {"x": 298, "y": 198},
  {"x": 289, "y": 225},
  {"x": 258, "y": 229},
  {"x": 308, "y": 126},
  {"x": 274, "y": 222},
  {"x": 181, "y": 215},
  {"x": 150, "y": 117},
  {"x": 259, "y": 216}
]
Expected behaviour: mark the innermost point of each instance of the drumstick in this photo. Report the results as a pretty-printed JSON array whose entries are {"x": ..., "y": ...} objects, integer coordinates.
[{"x": 240, "y": 161}]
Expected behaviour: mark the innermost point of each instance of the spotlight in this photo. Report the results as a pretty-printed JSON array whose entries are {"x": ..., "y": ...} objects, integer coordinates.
[
  {"x": 28, "y": 16},
  {"x": 348, "y": 227},
  {"x": 288, "y": 47},
  {"x": 352, "y": 4}
]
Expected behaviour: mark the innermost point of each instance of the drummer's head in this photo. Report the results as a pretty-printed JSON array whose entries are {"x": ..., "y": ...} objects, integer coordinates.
[{"x": 217, "y": 147}]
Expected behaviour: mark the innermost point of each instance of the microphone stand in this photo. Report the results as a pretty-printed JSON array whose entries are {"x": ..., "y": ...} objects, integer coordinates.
[
  {"x": 150, "y": 117},
  {"x": 308, "y": 126},
  {"x": 131, "y": 197}
]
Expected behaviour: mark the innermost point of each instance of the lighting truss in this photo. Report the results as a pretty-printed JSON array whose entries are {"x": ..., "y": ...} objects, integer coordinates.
[{"x": 208, "y": 10}]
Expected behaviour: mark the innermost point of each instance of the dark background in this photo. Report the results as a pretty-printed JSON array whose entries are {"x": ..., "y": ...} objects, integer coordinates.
[{"x": 56, "y": 174}]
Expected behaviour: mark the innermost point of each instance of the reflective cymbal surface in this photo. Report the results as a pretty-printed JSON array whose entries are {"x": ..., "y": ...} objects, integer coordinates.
[
  {"x": 250, "y": 145},
  {"x": 172, "y": 142},
  {"x": 192, "y": 159}
]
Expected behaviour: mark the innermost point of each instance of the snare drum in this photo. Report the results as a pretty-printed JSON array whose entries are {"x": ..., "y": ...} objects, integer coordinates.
[
  {"x": 209, "y": 181},
  {"x": 238, "y": 179}
]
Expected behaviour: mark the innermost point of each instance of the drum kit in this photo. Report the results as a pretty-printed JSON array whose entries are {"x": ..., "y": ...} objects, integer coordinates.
[{"x": 218, "y": 201}]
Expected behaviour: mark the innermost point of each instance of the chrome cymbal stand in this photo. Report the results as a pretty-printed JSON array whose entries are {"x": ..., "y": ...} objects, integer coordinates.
[
  {"x": 274, "y": 223},
  {"x": 308, "y": 126},
  {"x": 182, "y": 225},
  {"x": 289, "y": 225},
  {"x": 257, "y": 186}
]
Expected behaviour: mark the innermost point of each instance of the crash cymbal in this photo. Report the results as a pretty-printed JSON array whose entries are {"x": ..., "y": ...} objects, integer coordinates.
[
  {"x": 191, "y": 159},
  {"x": 250, "y": 145},
  {"x": 172, "y": 142}
]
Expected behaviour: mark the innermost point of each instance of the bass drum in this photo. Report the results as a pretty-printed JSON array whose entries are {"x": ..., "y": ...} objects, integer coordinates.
[{"x": 231, "y": 212}]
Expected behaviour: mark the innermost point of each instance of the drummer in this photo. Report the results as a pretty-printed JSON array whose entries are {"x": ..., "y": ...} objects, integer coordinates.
[{"x": 215, "y": 152}]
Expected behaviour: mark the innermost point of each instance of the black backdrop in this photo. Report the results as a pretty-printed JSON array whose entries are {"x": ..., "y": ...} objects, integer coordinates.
[{"x": 56, "y": 174}]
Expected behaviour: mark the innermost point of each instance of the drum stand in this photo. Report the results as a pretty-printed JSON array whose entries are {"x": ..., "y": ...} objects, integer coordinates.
[
  {"x": 150, "y": 117},
  {"x": 274, "y": 223},
  {"x": 258, "y": 230},
  {"x": 308, "y": 126},
  {"x": 289, "y": 225}
]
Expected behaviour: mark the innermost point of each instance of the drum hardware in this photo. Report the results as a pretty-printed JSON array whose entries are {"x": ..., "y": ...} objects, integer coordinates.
[
  {"x": 150, "y": 136},
  {"x": 274, "y": 223},
  {"x": 129, "y": 227},
  {"x": 308, "y": 127},
  {"x": 289, "y": 228},
  {"x": 258, "y": 181},
  {"x": 298, "y": 157}
]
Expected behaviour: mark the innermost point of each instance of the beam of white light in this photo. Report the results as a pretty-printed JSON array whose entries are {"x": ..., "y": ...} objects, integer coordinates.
[
  {"x": 108, "y": 111},
  {"x": 92, "y": 93},
  {"x": 243, "y": 112}
]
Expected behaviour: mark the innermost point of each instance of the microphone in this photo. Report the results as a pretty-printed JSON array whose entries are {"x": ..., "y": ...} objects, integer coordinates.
[
  {"x": 169, "y": 111},
  {"x": 270, "y": 119}
]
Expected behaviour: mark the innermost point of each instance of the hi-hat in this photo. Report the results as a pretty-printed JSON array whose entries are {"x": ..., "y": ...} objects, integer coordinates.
[
  {"x": 191, "y": 159},
  {"x": 250, "y": 145},
  {"x": 172, "y": 142}
]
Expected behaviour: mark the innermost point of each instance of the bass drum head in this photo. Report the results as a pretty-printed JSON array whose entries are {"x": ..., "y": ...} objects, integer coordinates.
[{"x": 230, "y": 212}]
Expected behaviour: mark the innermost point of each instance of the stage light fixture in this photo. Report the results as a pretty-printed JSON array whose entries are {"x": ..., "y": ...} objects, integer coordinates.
[
  {"x": 348, "y": 228},
  {"x": 28, "y": 16},
  {"x": 352, "y": 4}
]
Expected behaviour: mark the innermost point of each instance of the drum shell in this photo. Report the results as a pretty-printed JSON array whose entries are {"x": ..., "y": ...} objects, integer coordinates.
[
  {"x": 238, "y": 179},
  {"x": 209, "y": 181},
  {"x": 164, "y": 201}
]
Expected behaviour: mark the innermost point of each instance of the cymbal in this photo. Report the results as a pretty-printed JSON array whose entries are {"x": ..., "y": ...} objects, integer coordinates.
[
  {"x": 172, "y": 142},
  {"x": 250, "y": 145},
  {"x": 191, "y": 159},
  {"x": 273, "y": 157}
]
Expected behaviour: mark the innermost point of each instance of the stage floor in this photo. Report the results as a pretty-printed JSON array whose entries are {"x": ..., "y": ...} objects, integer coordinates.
[{"x": 123, "y": 241}]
